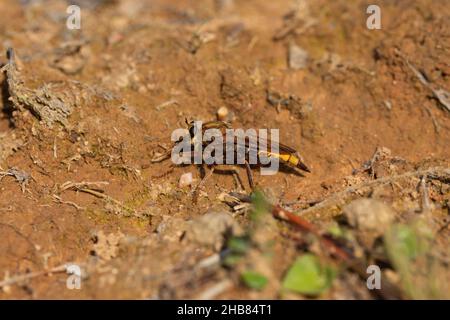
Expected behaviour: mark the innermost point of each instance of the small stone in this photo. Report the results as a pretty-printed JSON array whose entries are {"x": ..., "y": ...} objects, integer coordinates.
[
  {"x": 106, "y": 247},
  {"x": 298, "y": 57},
  {"x": 369, "y": 215},
  {"x": 222, "y": 114},
  {"x": 212, "y": 229},
  {"x": 186, "y": 179},
  {"x": 388, "y": 104}
]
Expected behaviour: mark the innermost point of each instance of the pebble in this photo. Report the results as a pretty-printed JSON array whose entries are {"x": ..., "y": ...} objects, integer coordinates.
[
  {"x": 212, "y": 229},
  {"x": 298, "y": 57},
  {"x": 186, "y": 179},
  {"x": 222, "y": 114},
  {"x": 369, "y": 215}
]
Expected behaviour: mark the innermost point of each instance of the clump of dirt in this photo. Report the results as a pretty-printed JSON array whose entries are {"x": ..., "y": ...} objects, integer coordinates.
[{"x": 84, "y": 112}]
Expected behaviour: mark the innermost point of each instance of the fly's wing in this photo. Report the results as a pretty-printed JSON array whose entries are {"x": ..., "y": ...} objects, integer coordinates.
[
  {"x": 250, "y": 145},
  {"x": 215, "y": 125}
]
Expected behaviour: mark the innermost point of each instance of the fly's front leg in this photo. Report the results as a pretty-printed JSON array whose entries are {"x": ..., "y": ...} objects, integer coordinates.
[
  {"x": 162, "y": 175},
  {"x": 201, "y": 184}
]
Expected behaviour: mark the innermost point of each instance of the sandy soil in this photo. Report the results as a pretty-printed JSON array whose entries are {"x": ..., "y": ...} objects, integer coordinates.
[{"x": 84, "y": 112}]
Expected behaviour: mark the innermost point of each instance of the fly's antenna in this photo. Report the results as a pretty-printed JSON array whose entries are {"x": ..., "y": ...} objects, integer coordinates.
[{"x": 188, "y": 122}]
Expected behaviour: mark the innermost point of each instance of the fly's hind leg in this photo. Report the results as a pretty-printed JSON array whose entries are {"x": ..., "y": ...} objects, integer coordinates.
[
  {"x": 233, "y": 169},
  {"x": 237, "y": 178},
  {"x": 249, "y": 175}
]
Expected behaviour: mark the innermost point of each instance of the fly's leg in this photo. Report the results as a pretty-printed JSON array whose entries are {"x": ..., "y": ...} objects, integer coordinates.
[
  {"x": 249, "y": 175},
  {"x": 235, "y": 171},
  {"x": 237, "y": 178},
  {"x": 201, "y": 184},
  {"x": 162, "y": 175}
]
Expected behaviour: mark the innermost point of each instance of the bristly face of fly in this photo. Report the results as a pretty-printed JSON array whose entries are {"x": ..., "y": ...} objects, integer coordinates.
[{"x": 285, "y": 154}]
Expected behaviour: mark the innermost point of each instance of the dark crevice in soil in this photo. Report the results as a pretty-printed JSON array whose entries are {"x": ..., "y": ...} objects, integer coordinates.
[{"x": 7, "y": 107}]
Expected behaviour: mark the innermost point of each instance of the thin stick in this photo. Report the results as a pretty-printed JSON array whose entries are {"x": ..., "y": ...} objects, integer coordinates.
[
  {"x": 426, "y": 205},
  {"x": 59, "y": 200},
  {"x": 23, "y": 277},
  {"x": 436, "y": 173},
  {"x": 389, "y": 291},
  {"x": 215, "y": 290},
  {"x": 84, "y": 187},
  {"x": 441, "y": 95},
  {"x": 305, "y": 225}
]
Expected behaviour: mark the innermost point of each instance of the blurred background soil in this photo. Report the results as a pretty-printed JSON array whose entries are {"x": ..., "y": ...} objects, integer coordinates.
[{"x": 79, "y": 186}]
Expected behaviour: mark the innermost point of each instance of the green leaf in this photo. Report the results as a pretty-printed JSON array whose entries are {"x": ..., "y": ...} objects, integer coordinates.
[
  {"x": 308, "y": 276},
  {"x": 260, "y": 205},
  {"x": 254, "y": 280},
  {"x": 405, "y": 241},
  {"x": 232, "y": 259},
  {"x": 406, "y": 247},
  {"x": 238, "y": 244},
  {"x": 336, "y": 231},
  {"x": 237, "y": 248}
]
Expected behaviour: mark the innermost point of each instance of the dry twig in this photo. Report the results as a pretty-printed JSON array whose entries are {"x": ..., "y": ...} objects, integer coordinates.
[
  {"x": 20, "y": 278},
  {"x": 440, "y": 94},
  {"x": 21, "y": 177},
  {"x": 86, "y": 187},
  {"x": 340, "y": 198}
]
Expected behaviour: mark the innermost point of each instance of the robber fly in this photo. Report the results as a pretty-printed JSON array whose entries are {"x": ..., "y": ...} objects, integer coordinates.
[{"x": 284, "y": 154}]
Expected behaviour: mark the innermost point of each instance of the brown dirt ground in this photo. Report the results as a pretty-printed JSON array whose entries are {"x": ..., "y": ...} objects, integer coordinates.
[{"x": 356, "y": 93}]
